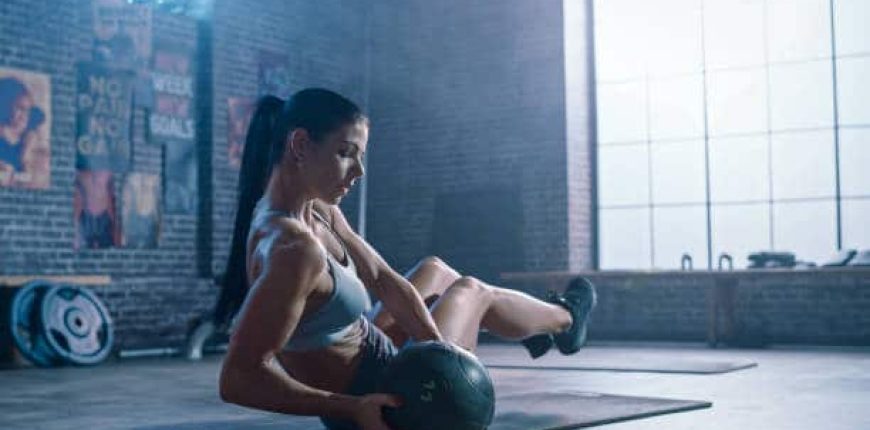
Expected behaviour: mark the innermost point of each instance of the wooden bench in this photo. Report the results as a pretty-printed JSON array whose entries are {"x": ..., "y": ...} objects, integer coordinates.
[{"x": 15, "y": 281}]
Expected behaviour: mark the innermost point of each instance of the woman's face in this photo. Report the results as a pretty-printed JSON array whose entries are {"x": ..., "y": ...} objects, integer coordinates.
[
  {"x": 21, "y": 113},
  {"x": 335, "y": 164}
]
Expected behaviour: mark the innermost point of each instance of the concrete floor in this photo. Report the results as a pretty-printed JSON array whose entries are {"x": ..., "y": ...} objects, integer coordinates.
[{"x": 807, "y": 388}]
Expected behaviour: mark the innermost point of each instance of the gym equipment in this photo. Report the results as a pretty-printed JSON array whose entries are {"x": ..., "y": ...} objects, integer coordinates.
[
  {"x": 505, "y": 356},
  {"x": 195, "y": 344},
  {"x": 841, "y": 258},
  {"x": 862, "y": 258},
  {"x": 686, "y": 262},
  {"x": 766, "y": 259},
  {"x": 725, "y": 258},
  {"x": 204, "y": 337},
  {"x": 76, "y": 325},
  {"x": 441, "y": 386},
  {"x": 26, "y": 326}
]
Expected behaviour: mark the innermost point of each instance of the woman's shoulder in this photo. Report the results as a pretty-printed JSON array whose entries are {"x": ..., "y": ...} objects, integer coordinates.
[{"x": 288, "y": 243}]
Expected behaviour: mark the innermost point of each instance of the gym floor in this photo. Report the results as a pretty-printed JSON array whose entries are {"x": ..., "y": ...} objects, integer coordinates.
[{"x": 807, "y": 388}]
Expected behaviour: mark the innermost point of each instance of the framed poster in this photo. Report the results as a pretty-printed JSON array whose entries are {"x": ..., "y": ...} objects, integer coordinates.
[
  {"x": 273, "y": 75},
  {"x": 103, "y": 114},
  {"x": 171, "y": 115},
  {"x": 122, "y": 40},
  {"x": 25, "y": 129},
  {"x": 122, "y": 33},
  {"x": 140, "y": 214},
  {"x": 179, "y": 176},
  {"x": 94, "y": 217}
]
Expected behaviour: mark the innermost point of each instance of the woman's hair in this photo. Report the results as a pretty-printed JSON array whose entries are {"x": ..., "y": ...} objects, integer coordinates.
[
  {"x": 11, "y": 89},
  {"x": 316, "y": 110}
]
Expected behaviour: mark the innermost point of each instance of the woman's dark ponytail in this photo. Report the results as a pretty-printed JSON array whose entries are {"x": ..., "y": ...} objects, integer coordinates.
[
  {"x": 318, "y": 111},
  {"x": 255, "y": 171}
]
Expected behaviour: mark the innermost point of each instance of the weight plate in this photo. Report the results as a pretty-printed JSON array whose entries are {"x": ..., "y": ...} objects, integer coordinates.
[
  {"x": 76, "y": 325},
  {"x": 26, "y": 325}
]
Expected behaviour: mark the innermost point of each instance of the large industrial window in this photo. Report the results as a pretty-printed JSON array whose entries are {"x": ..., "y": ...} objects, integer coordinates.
[{"x": 731, "y": 126}]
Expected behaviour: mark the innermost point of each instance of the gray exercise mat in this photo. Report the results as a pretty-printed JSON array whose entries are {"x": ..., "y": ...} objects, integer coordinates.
[
  {"x": 652, "y": 364},
  {"x": 562, "y": 410},
  {"x": 172, "y": 394}
]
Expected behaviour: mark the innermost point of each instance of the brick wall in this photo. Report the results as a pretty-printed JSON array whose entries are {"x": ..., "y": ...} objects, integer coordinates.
[
  {"x": 156, "y": 293},
  {"x": 824, "y": 307},
  {"x": 469, "y": 155}
]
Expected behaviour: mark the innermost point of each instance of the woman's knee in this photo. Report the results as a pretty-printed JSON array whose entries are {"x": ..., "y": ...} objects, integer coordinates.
[
  {"x": 471, "y": 284},
  {"x": 436, "y": 268},
  {"x": 432, "y": 263}
]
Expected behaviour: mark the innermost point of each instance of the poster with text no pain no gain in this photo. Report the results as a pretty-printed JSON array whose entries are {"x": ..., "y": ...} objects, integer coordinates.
[{"x": 103, "y": 109}]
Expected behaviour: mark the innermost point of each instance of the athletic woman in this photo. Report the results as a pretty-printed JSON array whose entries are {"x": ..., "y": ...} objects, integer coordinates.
[{"x": 298, "y": 279}]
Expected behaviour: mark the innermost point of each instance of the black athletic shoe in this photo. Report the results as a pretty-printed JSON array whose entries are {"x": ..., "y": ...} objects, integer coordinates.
[
  {"x": 579, "y": 299},
  {"x": 538, "y": 344}
]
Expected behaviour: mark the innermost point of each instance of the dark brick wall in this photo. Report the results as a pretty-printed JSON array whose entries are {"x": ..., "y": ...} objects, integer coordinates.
[
  {"x": 468, "y": 102},
  {"x": 325, "y": 44},
  {"x": 477, "y": 154},
  {"x": 154, "y": 292},
  {"x": 824, "y": 307}
]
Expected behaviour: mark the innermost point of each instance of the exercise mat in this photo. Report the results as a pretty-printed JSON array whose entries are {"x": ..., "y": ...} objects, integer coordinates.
[
  {"x": 565, "y": 409},
  {"x": 516, "y": 358}
]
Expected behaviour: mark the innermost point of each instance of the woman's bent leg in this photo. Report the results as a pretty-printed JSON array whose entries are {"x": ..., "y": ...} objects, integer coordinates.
[
  {"x": 469, "y": 304},
  {"x": 430, "y": 277}
]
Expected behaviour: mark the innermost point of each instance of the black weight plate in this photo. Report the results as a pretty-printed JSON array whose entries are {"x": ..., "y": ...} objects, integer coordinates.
[{"x": 26, "y": 326}]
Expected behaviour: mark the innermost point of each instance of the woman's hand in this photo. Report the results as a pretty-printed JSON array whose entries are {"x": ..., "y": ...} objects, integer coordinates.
[{"x": 369, "y": 413}]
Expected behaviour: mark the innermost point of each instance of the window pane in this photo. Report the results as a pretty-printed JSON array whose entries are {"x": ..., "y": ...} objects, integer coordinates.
[
  {"x": 674, "y": 39},
  {"x": 808, "y": 229},
  {"x": 850, "y": 25},
  {"x": 678, "y": 172},
  {"x": 853, "y": 90},
  {"x": 620, "y": 54},
  {"x": 803, "y": 164},
  {"x": 734, "y": 32},
  {"x": 798, "y": 29},
  {"x": 855, "y": 162},
  {"x": 740, "y": 230},
  {"x": 676, "y": 108},
  {"x": 856, "y": 228},
  {"x": 623, "y": 175},
  {"x": 679, "y": 230},
  {"x": 739, "y": 169},
  {"x": 737, "y": 101},
  {"x": 801, "y": 95},
  {"x": 622, "y": 112},
  {"x": 625, "y": 238}
]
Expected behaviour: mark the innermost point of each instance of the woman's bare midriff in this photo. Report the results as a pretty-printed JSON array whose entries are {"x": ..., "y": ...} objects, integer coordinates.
[{"x": 331, "y": 368}]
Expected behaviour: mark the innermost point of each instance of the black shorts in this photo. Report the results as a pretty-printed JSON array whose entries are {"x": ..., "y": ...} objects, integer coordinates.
[{"x": 377, "y": 351}]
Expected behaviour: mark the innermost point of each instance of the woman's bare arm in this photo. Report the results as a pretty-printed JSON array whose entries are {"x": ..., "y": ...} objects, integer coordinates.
[
  {"x": 251, "y": 375},
  {"x": 400, "y": 298}
]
